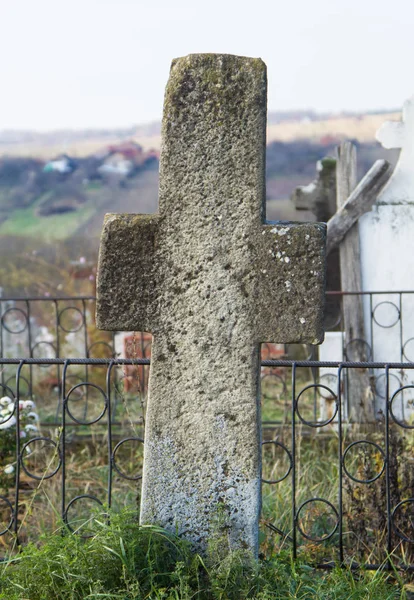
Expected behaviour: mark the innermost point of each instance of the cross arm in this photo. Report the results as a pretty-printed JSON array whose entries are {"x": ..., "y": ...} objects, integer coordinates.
[
  {"x": 391, "y": 134},
  {"x": 291, "y": 286},
  {"x": 318, "y": 196},
  {"x": 126, "y": 280}
]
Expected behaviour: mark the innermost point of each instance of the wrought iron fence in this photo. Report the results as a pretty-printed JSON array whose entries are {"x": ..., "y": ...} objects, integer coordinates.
[
  {"x": 65, "y": 327},
  {"x": 50, "y": 328},
  {"x": 389, "y": 327},
  {"x": 45, "y": 327},
  {"x": 345, "y": 492}
]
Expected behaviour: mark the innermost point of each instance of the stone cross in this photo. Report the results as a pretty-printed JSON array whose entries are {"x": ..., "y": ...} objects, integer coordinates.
[
  {"x": 211, "y": 280},
  {"x": 319, "y": 196}
]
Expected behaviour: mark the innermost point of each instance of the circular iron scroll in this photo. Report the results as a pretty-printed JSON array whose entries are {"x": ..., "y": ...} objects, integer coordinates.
[
  {"x": 332, "y": 317},
  {"x": 329, "y": 380},
  {"x": 99, "y": 417},
  {"x": 312, "y": 423},
  {"x": 22, "y": 457},
  {"x": 118, "y": 469},
  {"x": 76, "y": 310},
  {"x": 355, "y": 342},
  {"x": 398, "y": 531},
  {"x": 382, "y": 304},
  {"x": 409, "y": 341},
  {"x": 268, "y": 377},
  {"x": 71, "y": 503},
  {"x": 288, "y": 470},
  {"x": 47, "y": 344},
  {"x": 400, "y": 423},
  {"x": 378, "y": 475},
  {"x": 12, "y": 379},
  {"x": 106, "y": 346},
  {"x": 328, "y": 535},
  {"x": 9, "y": 505},
  {"x": 17, "y": 310},
  {"x": 381, "y": 383}
]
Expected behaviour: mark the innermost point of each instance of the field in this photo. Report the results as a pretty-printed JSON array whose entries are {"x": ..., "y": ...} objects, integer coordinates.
[
  {"x": 52, "y": 206},
  {"x": 359, "y": 127},
  {"x": 26, "y": 222},
  {"x": 87, "y": 215}
]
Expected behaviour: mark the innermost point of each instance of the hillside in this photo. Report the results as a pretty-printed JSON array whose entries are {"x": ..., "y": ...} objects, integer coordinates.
[
  {"x": 69, "y": 196},
  {"x": 52, "y": 204},
  {"x": 282, "y": 126}
]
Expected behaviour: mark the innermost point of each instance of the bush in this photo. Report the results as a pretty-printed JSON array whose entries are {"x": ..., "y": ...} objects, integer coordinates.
[{"x": 126, "y": 561}]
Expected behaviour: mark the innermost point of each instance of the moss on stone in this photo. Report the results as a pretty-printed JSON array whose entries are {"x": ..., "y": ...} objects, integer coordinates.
[
  {"x": 328, "y": 163},
  {"x": 222, "y": 80}
]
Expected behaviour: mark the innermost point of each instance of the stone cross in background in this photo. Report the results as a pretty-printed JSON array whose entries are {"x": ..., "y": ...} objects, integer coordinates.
[
  {"x": 319, "y": 196},
  {"x": 211, "y": 280}
]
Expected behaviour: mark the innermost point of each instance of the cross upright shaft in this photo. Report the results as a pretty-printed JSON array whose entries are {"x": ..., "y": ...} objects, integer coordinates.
[{"x": 211, "y": 280}]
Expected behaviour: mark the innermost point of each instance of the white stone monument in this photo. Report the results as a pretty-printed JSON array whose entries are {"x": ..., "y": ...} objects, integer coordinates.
[{"x": 387, "y": 253}]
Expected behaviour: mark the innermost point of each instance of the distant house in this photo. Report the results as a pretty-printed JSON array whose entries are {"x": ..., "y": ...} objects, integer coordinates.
[
  {"x": 61, "y": 164},
  {"x": 125, "y": 159},
  {"x": 130, "y": 150},
  {"x": 116, "y": 164}
]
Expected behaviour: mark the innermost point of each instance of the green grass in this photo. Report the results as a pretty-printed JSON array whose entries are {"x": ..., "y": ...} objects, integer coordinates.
[
  {"x": 156, "y": 565},
  {"x": 129, "y": 562},
  {"x": 25, "y": 222}
]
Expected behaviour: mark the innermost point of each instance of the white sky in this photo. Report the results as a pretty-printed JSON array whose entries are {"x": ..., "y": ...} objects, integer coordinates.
[{"x": 104, "y": 63}]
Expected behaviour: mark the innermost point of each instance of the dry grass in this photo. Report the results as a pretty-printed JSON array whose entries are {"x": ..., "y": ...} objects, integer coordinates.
[
  {"x": 317, "y": 472},
  {"x": 353, "y": 127},
  {"x": 361, "y": 128}
]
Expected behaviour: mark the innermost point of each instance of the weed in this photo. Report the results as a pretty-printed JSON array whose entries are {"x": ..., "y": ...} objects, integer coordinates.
[{"x": 129, "y": 561}]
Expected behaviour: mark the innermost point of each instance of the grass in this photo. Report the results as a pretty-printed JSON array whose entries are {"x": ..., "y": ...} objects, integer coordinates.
[
  {"x": 25, "y": 222},
  {"x": 86, "y": 566},
  {"x": 126, "y": 561},
  {"x": 317, "y": 466},
  {"x": 353, "y": 127}
]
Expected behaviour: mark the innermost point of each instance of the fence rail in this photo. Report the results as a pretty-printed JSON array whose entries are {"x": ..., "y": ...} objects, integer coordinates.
[
  {"x": 345, "y": 491},
  {"x": 72, "y": 429},
  {"x": 39, "y": 327}
]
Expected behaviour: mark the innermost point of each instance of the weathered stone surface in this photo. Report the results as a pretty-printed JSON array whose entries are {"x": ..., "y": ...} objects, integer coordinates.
[
  {"x": 211, "y": 281},
  {"x": 126, "y": 265},
  {"x": 319, "y": 197}
]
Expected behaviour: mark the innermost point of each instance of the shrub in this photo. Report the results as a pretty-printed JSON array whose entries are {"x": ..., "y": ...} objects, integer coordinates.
[{"x": 130, "y": 562}]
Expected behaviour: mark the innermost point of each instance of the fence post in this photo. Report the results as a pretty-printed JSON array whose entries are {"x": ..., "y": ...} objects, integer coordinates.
[{"x": 360, "y": 396}]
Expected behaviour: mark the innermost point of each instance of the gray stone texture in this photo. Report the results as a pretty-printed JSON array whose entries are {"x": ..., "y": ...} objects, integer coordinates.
[
  {"x": 319, "y": 197},
  {"x": 211, "y": 281}
]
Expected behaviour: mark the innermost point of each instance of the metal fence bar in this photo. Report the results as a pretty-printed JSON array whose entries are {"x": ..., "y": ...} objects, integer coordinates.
[
  {"x": 387, "y": 462},
  {"x": 294, "y": 518},
  {"x": 340, "y": 458},
  {"x": 27, "y": 373},
  {"x": 332, "y": 533}
]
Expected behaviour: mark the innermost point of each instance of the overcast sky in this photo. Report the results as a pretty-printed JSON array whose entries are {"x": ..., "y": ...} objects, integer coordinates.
[{"x": 104, "y": 63}]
